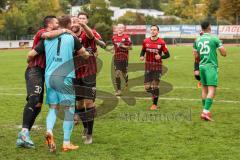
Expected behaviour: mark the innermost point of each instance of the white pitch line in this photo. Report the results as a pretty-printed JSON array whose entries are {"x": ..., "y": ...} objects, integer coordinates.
[
  {"x": 144, "y": 98},
  {"x": 174, "y": 87},
  {"x": 170, "y": 99},
  {"x": 186, "y": 87},
  {"x": 13, "y": 94}
]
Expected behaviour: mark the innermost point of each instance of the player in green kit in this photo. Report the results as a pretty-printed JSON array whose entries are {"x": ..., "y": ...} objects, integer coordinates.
[{"x": 205, "y": 47}]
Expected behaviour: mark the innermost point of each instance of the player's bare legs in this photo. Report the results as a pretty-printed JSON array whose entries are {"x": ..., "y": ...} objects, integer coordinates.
[
  {"x": 118, "y": 74},
  {"x": 211, "y": 92},
  {"x": 125, "y": 76},
  {"x": 204, "y": 94},
  {"x": 147, "y": 87}
]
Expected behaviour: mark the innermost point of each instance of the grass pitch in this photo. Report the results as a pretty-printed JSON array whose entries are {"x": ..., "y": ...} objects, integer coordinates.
[{"x": 126, "y": 128}]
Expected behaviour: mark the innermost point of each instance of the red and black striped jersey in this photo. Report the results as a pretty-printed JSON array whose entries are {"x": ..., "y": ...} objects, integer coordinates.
[
  {"x": 151, "y": 49},
  {"x": 39, "y": 60},
  {"x": 89, "y": 66},
  {"x": 120, "y": 52}
]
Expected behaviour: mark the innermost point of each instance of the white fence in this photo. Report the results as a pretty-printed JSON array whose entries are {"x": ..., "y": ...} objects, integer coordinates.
[{"x": 16, "y": 44}]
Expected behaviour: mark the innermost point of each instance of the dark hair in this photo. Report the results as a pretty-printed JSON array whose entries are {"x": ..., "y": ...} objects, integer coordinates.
[
  {"x": 155, "y": 26},
  {"x": 64, "y": 21},
  {"x": 83, "y": 13},
  {"x": 46, "y": 20},
  {"x": 205, "y": 25}
]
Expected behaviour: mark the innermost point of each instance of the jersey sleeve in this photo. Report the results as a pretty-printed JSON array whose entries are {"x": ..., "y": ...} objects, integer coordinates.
[
  {"x": 218, "y": 43},
  {"x": 164, "y": 47},
  {"x": 37, "y": 37},
  {"x": 41, "y": 33},
  {"x": 77, "y": 44},
  {"x": 128, "y": 40},
  {"x": 144, "y": 46},
  {"x": 195, "y": 45},
  {"x": 97, "y": 35},
  {"x": 83, "y": 38},
  {"x": 40, "y": 49}
]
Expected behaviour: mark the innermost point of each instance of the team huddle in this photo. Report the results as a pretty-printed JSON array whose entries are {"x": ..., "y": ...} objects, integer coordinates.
[{"x": 63, "y": 57}]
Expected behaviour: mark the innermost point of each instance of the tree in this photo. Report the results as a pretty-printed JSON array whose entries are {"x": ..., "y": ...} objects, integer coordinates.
[
  {"x": 104, "y": 29},
  {"x": 36, "y": 10},
  {"x": 78, "y": 2},
  {"x": 229, "y": 11},
  {"x": 126, "y": 3},
  {"x": 156, "y": 4},
  {"x": 132, "y": 18},
  {"x": 210, "y": 10},
  {"x": 152, "y": 20},
  {"x": 3, "y": 4},
  {"x": 185, "y": 9},
  {"x": 98, "y": 12},
  {"x": 150, "y": 4},
  {"x": 15, "y": 23},
  {"x": 99, "y": 16},
  {"x": 1, "y": 22}
]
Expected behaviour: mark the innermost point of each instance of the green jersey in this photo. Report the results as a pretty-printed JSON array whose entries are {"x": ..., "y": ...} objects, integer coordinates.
[{"x": 207, "y": 45}]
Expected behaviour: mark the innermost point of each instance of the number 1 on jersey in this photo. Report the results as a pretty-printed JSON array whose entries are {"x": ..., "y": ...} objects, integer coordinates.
[{"x": 59, "y": 46}]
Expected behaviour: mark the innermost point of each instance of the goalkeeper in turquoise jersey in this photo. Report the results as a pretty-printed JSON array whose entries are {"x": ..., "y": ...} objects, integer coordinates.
[{"x": 205, "y": 47}]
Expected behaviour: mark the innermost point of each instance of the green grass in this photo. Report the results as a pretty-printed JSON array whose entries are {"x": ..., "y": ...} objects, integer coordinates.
[{"x": 133, "y": 131}]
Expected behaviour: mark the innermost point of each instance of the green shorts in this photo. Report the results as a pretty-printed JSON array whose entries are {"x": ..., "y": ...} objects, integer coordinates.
[{"x": 209, "y": 75}]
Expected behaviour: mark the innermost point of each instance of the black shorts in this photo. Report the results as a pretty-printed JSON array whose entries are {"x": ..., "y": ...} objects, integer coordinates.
[
  {"x": 85, "y": 88},
  {"x": 35, "y": 82},
  {"x": 152, "y": 76},
  {"x": 121, "y": 65}
]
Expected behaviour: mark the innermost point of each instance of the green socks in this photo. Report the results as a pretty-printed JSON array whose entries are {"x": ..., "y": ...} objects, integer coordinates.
[
  {"x": 203, "y": 102},
  {"x": 208, "y": 103}
]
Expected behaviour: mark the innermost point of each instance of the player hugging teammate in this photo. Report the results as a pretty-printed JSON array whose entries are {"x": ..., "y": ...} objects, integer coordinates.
[
  {"x": 34, "y": 77},
  {"x": 64, "y": 56}
]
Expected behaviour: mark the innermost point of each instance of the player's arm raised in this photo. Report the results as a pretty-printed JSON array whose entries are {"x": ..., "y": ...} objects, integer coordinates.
[
  {"x": 54, "y": 33},
  {"x": 88, "y": 30},
  {"x": 98, "y": 39},
  {"x": 100, "y": 42}
]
